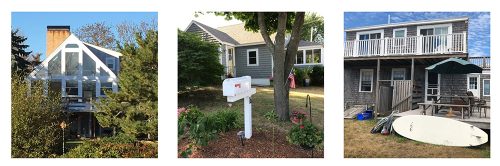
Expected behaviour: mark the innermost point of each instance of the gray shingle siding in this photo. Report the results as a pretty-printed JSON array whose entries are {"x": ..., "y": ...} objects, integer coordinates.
[
  {"x": 457, "y": 27},
  {"x": 103, "y": 56},
  {"x": 264, "y": 69},
  {"x": 352, "y": 96}
]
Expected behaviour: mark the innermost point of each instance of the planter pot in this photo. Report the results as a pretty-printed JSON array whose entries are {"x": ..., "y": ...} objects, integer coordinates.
[{"x": 307, "y": 82}]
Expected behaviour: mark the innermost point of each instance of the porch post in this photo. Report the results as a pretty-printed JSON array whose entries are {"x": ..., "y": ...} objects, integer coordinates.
[
  {"x": 377, "y": 98},
  {"x": 465, "y": 42},
  {"x": 412, "y": 81}
]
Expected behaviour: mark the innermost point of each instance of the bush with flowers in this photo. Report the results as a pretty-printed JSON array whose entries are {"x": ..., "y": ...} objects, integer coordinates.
[
  {"x": 305, "y": 134},
  {"x": 297, "y": 117}
]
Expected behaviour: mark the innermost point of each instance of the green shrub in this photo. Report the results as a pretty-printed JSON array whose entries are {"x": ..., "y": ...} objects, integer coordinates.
[
  {"x": 35, "y": 120},
  {"x": 317, "y": 76},
  {"x": 225, "y": 120},
  {"x": 121, "y": 146},
  {"x": 305, "y": 135},
  {"x": 203, "y": 128},
  {"x": 299, "y": 76}
]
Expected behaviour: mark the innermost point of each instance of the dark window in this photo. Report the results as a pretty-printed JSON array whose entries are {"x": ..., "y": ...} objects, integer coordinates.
[
  {"x": 252, "y": 57},
  {"x": 300, "y": 57}
]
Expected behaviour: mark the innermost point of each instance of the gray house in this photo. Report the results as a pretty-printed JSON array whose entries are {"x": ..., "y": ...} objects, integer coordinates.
[
  {"x": 244, "y": 53},
  {"x": 81, "y": 72},
  {"x": 380, "y": 61}
]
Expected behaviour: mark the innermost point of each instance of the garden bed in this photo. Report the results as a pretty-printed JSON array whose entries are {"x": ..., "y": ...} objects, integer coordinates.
[{"x": 228, "y": 145}]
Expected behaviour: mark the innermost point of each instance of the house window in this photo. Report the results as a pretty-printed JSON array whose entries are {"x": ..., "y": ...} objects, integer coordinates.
[
  {"x": 71, "y": 45},
  {"x": 300, "y": 57},
  {"x": 72, "y": 88},
  {"x": 110, "y": 62},
  {"x": 398, "y": 74},
  {"x": 309, "y": 56},
  {"x": 365, "y": 80},
  {"x": 486, "y": 87},
  {"x": 72, "y": 64},
  {"x": 473, "y": 83},
  {"x": 253, "y": 57},
  {"x": 106, "y": 86},
  {"x": 399, "y": 36}
]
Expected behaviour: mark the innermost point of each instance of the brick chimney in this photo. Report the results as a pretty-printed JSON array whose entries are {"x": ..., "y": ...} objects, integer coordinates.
[{"x": 55, "y": 36}]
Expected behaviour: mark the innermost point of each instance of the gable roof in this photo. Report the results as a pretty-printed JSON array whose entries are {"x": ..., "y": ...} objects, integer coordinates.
[
  {"x": 105, "y": 50},
  {"x": 419, "y": 22},
  {"x": 221, "y": 36},
  {"x": 243, "y": 36},
  {"x": 239, "y": 36},
  {"x": 72, "y": 39}
]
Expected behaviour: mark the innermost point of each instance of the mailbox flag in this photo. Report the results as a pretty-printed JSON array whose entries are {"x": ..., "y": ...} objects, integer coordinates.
[{"x": 291, "y": 78}]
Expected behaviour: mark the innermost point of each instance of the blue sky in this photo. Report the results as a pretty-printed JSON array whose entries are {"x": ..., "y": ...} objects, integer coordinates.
[
  {"x": 479, "y": 24},
  {"x": 34, "y": 24}
]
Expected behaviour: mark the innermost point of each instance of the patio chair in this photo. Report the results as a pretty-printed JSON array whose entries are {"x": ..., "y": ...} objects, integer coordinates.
[{"x": 476, "y": 103}]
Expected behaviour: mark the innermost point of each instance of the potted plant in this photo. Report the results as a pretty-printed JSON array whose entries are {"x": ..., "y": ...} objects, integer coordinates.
[
  {"x": 297, "y": 117},
  {"x": 307, "y": 76}
]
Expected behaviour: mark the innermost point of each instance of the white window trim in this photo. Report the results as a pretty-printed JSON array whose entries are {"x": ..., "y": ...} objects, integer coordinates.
[
  {"x": 397, "y": 69},
  {"x": 256, "y": 56},
  {"x": 449, "y": 25},
  {"x": 304, "y": 60},
  {"x": 484, "y": 86},
  {"x": 381, "y": 31},
  {"x": 361, "y": 77},
  {"x": 114, "y": 62},
  {"x": 398, "y": 29}
]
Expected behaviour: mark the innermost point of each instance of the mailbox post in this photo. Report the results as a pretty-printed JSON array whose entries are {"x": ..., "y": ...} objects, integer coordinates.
[{"x": 241, "y": 88}]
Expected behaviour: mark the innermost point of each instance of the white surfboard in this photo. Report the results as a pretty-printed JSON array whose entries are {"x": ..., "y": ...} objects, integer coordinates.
[{"x": 439, "y": 131}]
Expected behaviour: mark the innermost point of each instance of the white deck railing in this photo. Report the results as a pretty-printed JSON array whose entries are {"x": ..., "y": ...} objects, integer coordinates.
[{"x": 414, "y": 45}]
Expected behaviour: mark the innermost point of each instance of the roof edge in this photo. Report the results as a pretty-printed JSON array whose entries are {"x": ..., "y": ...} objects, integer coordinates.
[{"x": 407, "y": 24}]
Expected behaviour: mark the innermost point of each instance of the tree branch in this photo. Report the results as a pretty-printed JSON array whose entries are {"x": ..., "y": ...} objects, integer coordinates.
[{"x": 263, "y": 30}]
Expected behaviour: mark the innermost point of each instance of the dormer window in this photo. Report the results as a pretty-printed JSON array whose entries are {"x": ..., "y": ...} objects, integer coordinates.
[
  {"x": 71, "y": 45},
  {"x": 110, "y": 62}
]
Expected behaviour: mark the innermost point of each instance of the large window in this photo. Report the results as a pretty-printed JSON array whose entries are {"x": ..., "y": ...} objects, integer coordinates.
[
  {"x": 253, "y": 57},
  {"x": 106, "y": 86},
  {"x": 486, "y": 87},
  {"x": 72, "y": 88},
  {"x": 54, "y": 65},
  {"x": 398, "y": 74},
  {"x": 308, "y": 56},
  {"x": 88, "y": 65},
  {"x": 72, "y": 64},
  {"x": 366, "y": 80}
]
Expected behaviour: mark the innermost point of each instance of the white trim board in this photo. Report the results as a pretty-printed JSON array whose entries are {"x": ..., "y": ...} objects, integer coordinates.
[
  {"x": 256, "y": 56},
  {"x": 361, "y": 76}
]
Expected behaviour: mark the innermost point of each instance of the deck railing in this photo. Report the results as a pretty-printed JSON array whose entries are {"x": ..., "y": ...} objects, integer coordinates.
[
  {"x": 414, "y": 45},
  {"x": 483, "y": 61}
]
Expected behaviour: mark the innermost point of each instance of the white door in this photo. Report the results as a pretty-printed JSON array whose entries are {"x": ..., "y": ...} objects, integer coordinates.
[
  {"x": 473, "y": 84},
  {"x": 432, "y": 89}
]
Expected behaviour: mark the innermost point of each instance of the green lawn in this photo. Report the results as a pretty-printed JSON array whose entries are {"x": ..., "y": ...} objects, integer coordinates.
[
  {"x": 210, "y": 99},
  {"x": 360, "y": 143}
]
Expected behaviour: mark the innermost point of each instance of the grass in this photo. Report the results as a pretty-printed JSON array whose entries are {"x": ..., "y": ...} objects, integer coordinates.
[
  {"x": 210, "y": 99},
  {"x": 360, "y": 143}
]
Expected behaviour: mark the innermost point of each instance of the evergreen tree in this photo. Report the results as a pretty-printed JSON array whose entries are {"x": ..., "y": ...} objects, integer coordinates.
[
  {"x": 19, "y": 62},
  {"x": 134, "y": 109}
]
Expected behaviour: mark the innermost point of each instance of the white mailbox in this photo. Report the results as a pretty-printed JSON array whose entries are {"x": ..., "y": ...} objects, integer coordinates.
[
  {"x": 237, "y": 88},
  {"x": 241, "y": 88}
]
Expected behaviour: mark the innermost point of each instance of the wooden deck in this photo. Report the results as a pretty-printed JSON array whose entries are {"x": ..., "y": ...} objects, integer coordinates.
[{"x": 483, "y": 123}]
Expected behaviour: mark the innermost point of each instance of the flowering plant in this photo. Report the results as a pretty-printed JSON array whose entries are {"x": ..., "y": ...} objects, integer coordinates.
[
  {"x": 297, "y": 117},
  {"x": 305, "y": 135}
]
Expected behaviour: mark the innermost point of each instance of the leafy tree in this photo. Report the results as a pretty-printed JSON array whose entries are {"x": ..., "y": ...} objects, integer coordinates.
[
  {"x": 284, "y": 52},
  {"x": 35, "y": 120},
  {"x": 19, "y": 62},
  {"x": 134, "y": 109},
  {"x": 198, "y": 62},
  {"x": 99, "y": 34},
  {"x": 315, "y": 22}
]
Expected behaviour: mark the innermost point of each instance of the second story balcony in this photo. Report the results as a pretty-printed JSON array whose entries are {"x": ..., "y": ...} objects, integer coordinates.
[{"x": 454, "y": 43}]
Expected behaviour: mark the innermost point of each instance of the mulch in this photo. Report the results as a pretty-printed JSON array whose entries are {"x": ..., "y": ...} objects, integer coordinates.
[{"x": 228, "y": 145}]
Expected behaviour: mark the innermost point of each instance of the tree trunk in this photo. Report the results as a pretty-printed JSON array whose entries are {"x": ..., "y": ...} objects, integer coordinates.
[{"x": 283, "y": 60}]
